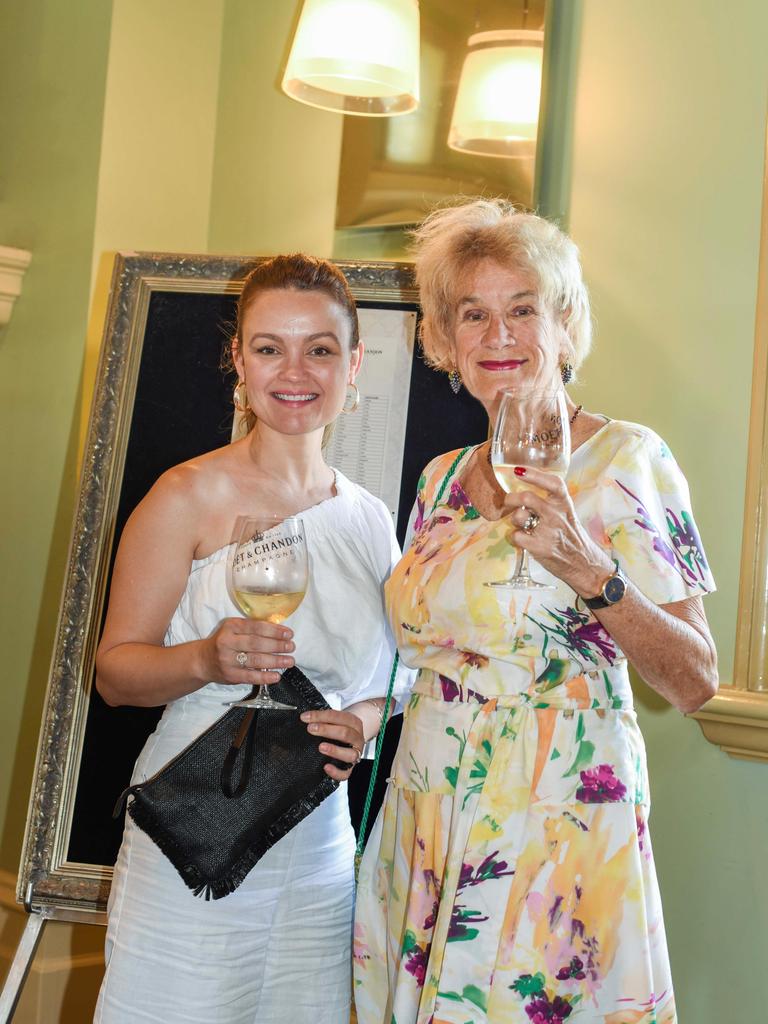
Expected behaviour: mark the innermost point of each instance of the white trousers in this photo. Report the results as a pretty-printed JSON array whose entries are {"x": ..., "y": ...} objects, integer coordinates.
[{"x": 277, "y": 949}]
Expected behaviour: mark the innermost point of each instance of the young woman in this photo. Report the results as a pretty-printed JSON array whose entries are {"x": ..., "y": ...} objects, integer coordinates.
[{"x": 277, "y": 948}]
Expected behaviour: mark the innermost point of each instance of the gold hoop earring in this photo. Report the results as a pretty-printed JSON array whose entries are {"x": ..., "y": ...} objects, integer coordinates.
[
  {"x": 240, "y": 403},
  {"x": 355, "y": 399}
]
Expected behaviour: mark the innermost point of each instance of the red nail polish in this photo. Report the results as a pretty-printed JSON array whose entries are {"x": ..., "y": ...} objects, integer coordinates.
[{"x": 519, "y": 470}]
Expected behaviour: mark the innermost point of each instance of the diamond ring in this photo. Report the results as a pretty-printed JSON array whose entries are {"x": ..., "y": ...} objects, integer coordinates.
[
  {"x": 241, "y": 658},
  {"x": 531, "y": 522}
]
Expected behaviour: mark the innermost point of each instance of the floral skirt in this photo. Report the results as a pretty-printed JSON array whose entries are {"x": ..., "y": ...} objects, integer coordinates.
[{"x": 509, "y": 876}]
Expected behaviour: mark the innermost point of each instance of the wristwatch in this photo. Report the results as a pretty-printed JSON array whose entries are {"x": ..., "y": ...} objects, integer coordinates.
[{"x": 611, "y": 592}]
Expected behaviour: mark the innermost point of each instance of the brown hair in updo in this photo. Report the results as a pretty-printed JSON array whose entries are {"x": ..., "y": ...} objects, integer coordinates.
[{"x": 297, "y": 272}]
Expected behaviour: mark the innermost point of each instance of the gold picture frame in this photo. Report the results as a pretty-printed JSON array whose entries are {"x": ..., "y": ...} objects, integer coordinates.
[{"x": 51, "y": 881}]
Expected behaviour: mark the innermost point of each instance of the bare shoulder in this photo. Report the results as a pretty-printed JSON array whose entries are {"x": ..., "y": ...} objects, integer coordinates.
[
  {"x": 183, "y": 496},
  {"x": 195, "y": 479}
]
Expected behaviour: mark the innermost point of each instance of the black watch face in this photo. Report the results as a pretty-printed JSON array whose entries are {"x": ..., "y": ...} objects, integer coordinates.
[{"x": 614, "y": 589}]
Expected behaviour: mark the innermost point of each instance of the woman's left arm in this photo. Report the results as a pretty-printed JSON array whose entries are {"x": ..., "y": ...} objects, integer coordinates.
[
  {"x": 348, "y": 731},
  {"x": 669, "y": 645}
]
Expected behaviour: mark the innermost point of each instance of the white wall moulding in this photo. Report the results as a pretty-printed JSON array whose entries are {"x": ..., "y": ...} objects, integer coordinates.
[
  {"x": 737, "y": 722},
  {"x": 737, "y": 718},
  {"x": 13, "y": 264}
]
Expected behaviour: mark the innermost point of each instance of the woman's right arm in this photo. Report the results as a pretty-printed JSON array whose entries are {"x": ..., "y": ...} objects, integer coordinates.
[{"x": 150, "y": 574}]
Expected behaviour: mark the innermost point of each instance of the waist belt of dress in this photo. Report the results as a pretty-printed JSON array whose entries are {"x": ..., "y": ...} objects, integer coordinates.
[{"x": 591, "y": 691}]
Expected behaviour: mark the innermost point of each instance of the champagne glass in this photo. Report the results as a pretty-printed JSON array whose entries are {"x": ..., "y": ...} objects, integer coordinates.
[
  {"x": 532, "y": 430},
  {"x": 267, "y": 573}
]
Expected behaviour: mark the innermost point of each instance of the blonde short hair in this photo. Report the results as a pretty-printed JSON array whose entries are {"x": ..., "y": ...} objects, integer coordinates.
[{"x": 454, "y": 238}]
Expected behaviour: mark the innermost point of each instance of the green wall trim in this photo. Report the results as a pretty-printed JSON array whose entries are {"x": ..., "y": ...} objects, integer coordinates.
[{"x": 552, "y": 178}]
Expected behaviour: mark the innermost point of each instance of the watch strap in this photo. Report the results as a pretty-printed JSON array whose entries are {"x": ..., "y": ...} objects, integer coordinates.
[{"x": 603, "y": 600}]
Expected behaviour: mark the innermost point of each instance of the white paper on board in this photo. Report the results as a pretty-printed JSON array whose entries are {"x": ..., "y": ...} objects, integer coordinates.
[{"x": 368, "y": 444}]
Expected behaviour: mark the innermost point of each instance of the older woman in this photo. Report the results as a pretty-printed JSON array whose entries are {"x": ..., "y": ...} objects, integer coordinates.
[
  {"x": 509, "y": 876},
  {"x": 278, "y": 948}
]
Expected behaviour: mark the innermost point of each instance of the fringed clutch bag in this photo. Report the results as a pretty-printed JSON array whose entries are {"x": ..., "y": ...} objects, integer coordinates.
[{"x": 222, "y": 802}]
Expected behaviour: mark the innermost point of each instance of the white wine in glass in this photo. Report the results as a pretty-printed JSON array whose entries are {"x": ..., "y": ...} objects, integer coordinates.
[
  {"x": 268, "y": 607},
  {"x": 532, "y": 430},
  {"x": 267, "y": 573}
]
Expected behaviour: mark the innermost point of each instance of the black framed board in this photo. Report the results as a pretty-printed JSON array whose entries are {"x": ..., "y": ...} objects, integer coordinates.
[{"x": 161, "y": 397}]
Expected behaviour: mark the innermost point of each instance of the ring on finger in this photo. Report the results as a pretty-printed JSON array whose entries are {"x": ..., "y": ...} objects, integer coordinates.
[
  {"x": 531, "y": 522},
  {"x": 241, "y": 658}
]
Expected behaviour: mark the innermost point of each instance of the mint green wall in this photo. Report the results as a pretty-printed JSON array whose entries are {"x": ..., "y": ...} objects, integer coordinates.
[
  {"x": 665, "y": 204},
  {"x": 667, "y": 163},
  {"x": 160, "y": 109},
  {"x": 276, "y": 161},
  {"x": 53, "y": 59}
]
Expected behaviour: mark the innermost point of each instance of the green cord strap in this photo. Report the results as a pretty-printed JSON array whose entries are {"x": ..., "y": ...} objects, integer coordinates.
[
  {"x": 448, "y": 475},
  {"x": 388, "y": 701},
  {"x": 374, "y": 769}
]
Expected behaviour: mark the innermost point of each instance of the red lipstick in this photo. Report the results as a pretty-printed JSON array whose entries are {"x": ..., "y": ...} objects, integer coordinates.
[{"x": 497, "y": 365}]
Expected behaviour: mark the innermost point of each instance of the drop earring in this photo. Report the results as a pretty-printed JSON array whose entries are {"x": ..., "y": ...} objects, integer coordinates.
[
  {"x": 566, "y": 372},
  {"x": 454, "y": 379},
  {"x": 239, "y": 399},
  {"x": 355, "y": 398}
]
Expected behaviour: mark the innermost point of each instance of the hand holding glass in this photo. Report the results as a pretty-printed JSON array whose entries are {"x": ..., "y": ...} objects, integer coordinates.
[
  {"x": 267, "y": 574},
  {"x": 532, "y": 430}
]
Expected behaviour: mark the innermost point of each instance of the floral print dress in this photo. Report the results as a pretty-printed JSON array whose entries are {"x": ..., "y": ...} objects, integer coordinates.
[{"x": 509, "y": 876}]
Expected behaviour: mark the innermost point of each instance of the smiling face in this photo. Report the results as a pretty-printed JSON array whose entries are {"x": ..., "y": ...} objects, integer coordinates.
[
  {"x": 295, "y": 358},
  {"x": 504, "y": 334}
]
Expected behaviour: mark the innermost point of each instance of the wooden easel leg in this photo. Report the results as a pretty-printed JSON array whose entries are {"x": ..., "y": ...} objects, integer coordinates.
[{"x": 22, "y": 960}]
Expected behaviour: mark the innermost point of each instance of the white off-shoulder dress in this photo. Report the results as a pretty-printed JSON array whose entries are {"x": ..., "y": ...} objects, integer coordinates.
[{"x": 278, "y": 948}]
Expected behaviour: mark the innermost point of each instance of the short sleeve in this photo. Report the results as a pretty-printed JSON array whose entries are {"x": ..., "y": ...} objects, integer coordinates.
[
  {"x": 427, "y": 491},
  {"x": 416, "y": 518},
  {"x": 643, "y": 513}
]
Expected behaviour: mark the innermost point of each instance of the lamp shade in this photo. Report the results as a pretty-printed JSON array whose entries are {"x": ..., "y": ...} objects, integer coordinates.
[
  {"x": 356, "y": 56},
  {"x": 497, "y": 104}
]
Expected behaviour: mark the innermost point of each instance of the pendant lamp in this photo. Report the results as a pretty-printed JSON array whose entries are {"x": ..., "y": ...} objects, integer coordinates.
[
  {"x": 497, "y": 104},
  {"x": 356, "y": 57}
]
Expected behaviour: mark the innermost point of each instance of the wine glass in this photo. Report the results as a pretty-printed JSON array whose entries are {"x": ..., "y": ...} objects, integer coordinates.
[
  {"x": 532, "y": 430},
  {"x": 267, "y": 573}
]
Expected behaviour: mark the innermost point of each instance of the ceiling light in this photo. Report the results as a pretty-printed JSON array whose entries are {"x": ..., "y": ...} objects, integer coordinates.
[
  {"x": 497, "y": 104},
  {"x": 356, "y": 56}
]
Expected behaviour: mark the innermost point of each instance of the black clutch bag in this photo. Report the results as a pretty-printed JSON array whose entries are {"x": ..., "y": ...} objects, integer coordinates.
[{"x": 219, "y": 805}]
